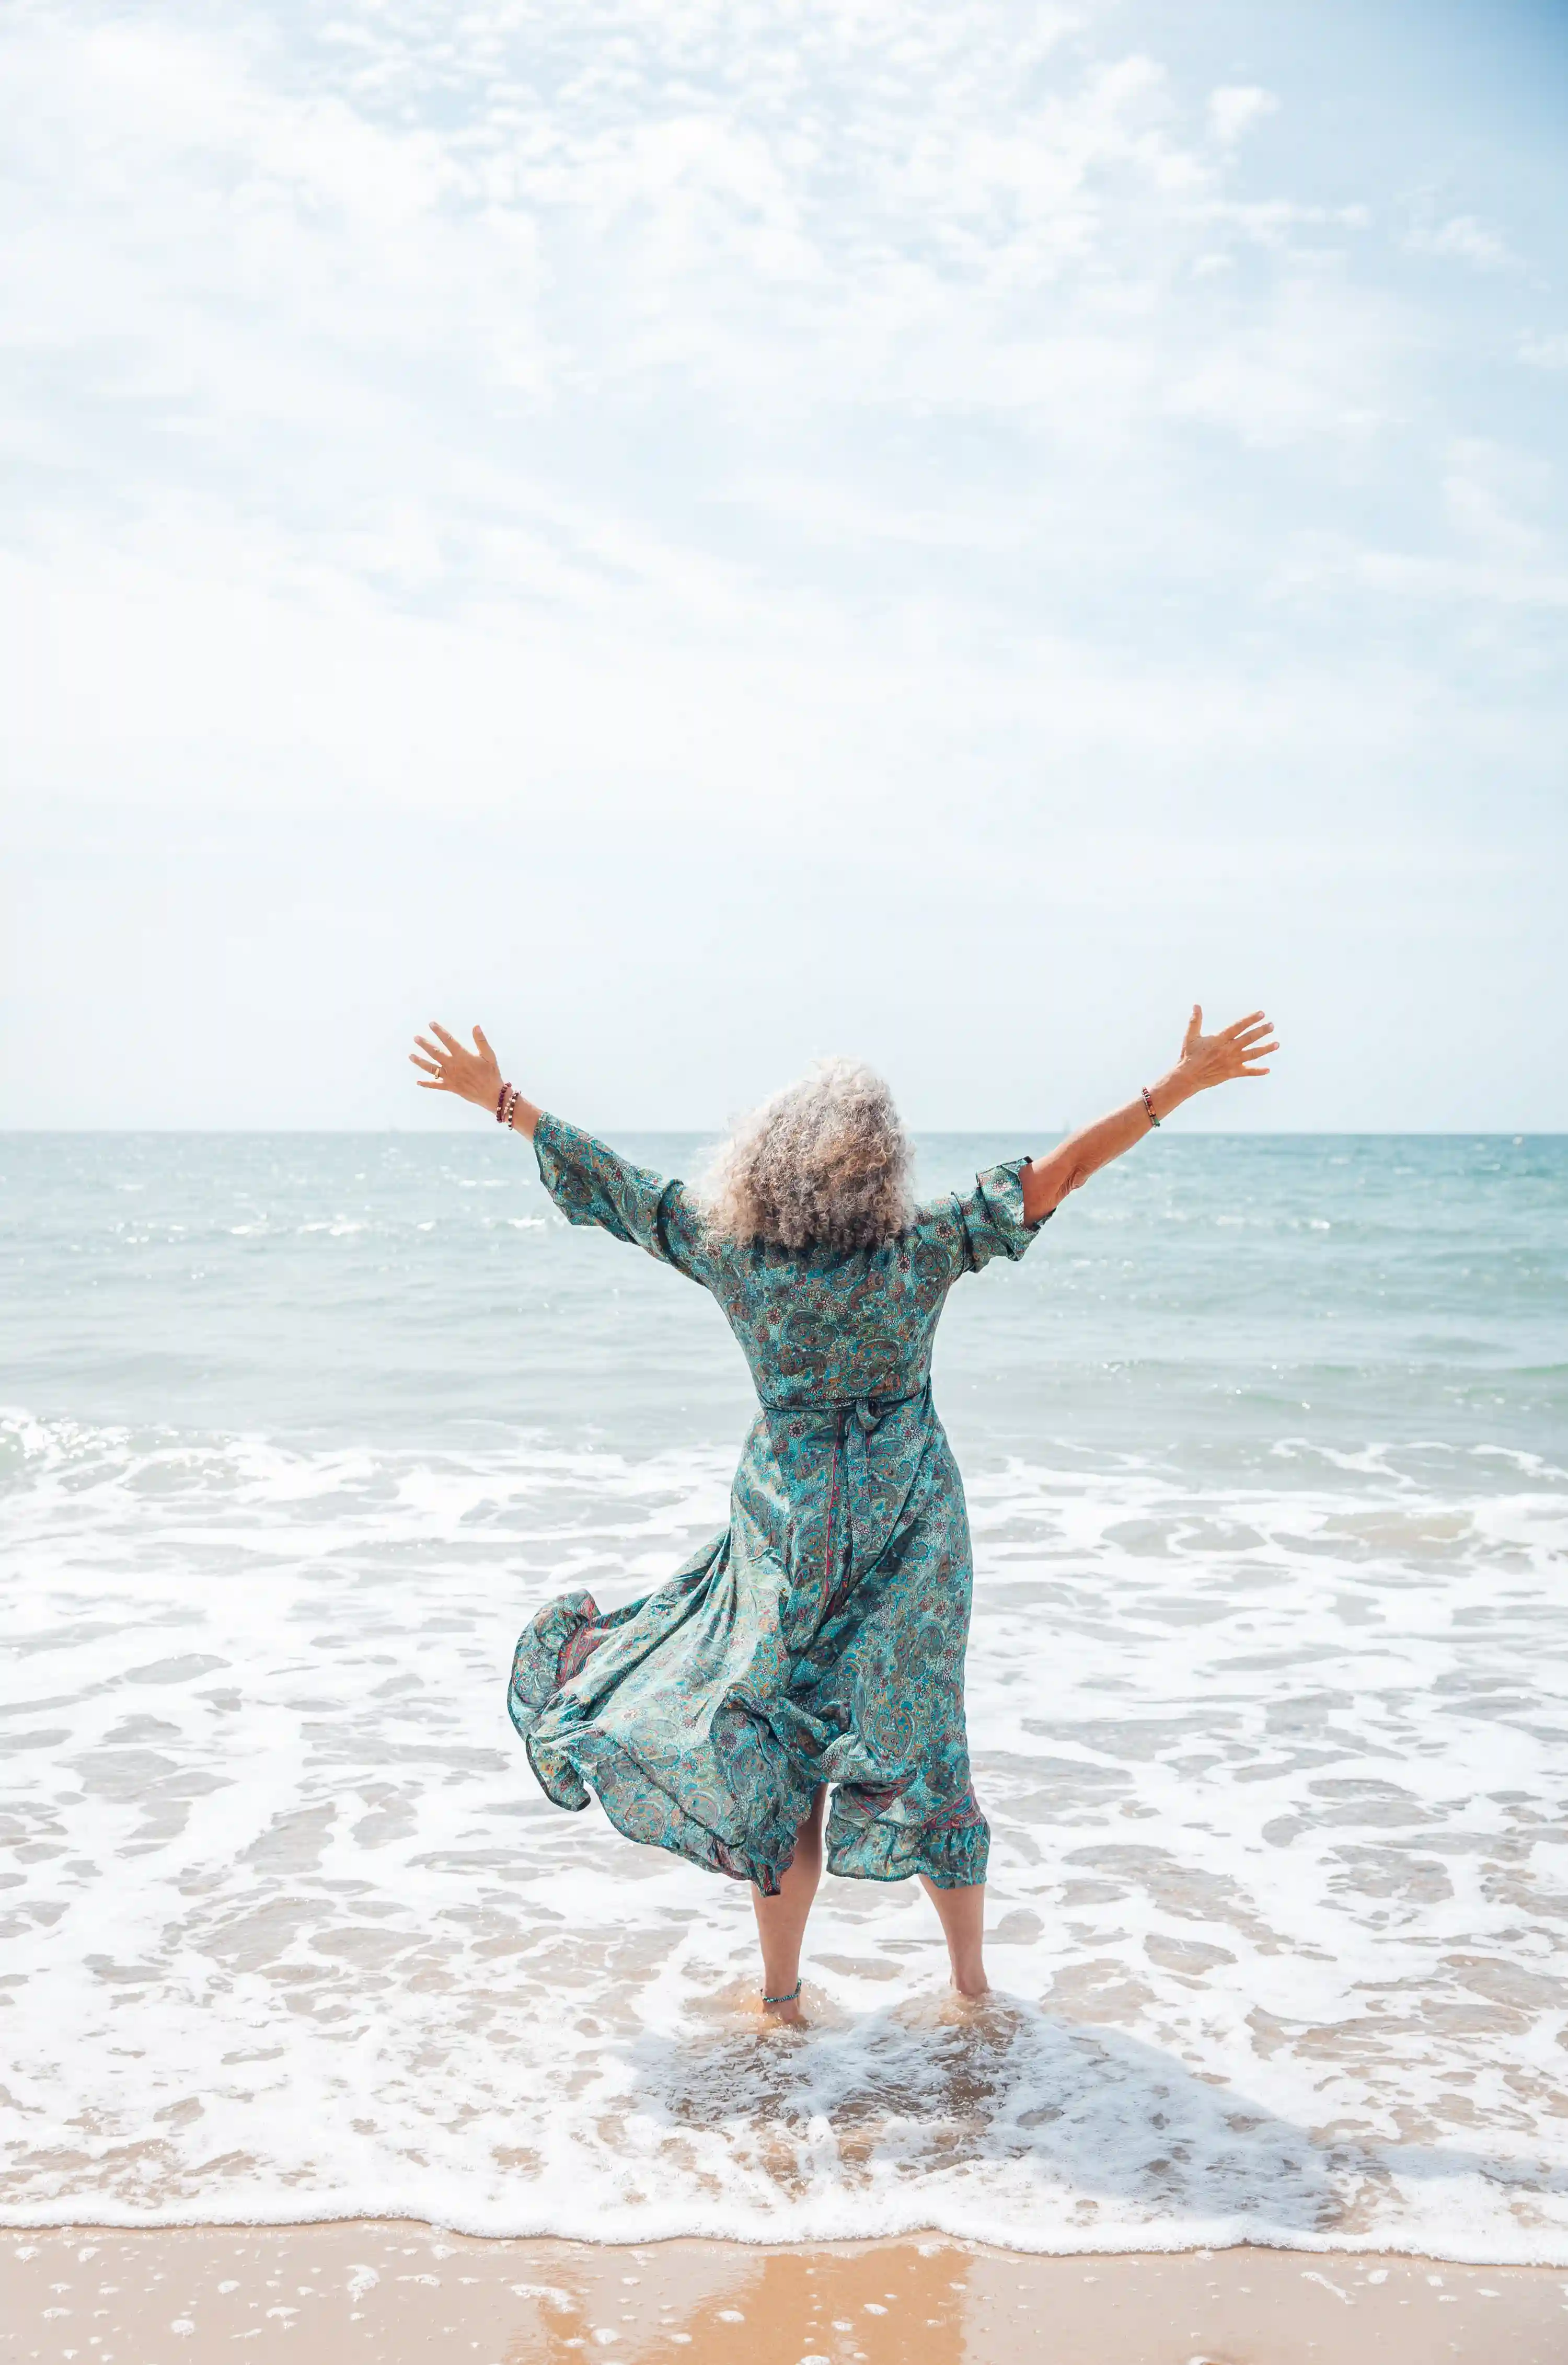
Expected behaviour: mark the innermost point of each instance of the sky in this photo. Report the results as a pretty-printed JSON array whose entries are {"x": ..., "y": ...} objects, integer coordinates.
[{"x": 702, "y": 532}]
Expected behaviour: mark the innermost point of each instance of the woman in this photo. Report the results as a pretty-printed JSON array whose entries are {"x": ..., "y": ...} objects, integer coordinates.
[{"x": 819, "y": 1642}]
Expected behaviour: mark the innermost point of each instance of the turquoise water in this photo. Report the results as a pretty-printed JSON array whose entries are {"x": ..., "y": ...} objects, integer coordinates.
[
  {"x": 1266, "y": 1445},
  {"x": 1204, "y": 1297}
]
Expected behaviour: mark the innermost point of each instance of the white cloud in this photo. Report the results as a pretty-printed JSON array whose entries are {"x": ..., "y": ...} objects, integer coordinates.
[
  {"x": 833, "y": 208},
  {"x": 1235, "y": 108},
  {"x": 1550, "y": 352},
  {"x": 789, "y": 440},
  {"x": 1443, "y": 580},
  {"x": 1465, "y": 240},
  {"x": 1306, "y": 363}
]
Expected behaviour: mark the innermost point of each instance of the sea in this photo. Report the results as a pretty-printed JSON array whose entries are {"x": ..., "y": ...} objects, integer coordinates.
[{"x": 1266, "y": 1450}]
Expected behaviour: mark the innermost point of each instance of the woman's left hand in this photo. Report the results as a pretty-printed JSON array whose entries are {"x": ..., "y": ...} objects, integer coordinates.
[
  {"x": 473, "y": 1075},
  {"x": 1209, "y": 1060}
]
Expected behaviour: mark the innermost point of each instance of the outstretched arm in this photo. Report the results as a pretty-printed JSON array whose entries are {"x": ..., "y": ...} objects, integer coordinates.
[
  {"x": 1205, "y": 1061},
  {"x": 589, "y": 1182},
  {"x": 473, "y": 1075}
]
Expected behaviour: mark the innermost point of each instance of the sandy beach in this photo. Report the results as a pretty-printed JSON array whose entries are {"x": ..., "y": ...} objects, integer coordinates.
[{"x": 389, "y": 2291}]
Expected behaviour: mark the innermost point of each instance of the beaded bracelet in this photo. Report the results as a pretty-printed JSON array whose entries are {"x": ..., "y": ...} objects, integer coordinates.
[
  {"x": 1148, "y": 1104},
  {"x": 510, "y": 1099},
  {"x": 500, "y": 1104}
]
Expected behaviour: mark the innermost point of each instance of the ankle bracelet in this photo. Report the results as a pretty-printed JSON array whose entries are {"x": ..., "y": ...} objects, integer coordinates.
[{"x": 784, "y": 1999}]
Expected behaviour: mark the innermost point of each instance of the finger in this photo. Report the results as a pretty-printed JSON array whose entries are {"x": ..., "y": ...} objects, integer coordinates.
[
  {"x": 1253, "y": 1035},
  {"x": 451, "y": 1041},
  {"x": 426, "y": 1046},
  {"x": 429, "y": 1065},
  {"x": 483, "y": 1040},
  {"x": 1195, "y": 1025},
  {"x": 1241, "y": 1024},
  {"x": 439, "y": 1085},
  {"x": 1252, "y": 1071},
  {"x": 1259, "y": 1050}
]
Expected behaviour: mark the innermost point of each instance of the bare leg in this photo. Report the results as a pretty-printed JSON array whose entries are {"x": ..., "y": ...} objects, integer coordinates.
[
  {"x": 961, "y": 1912},
  {"x": 781, "y": 1920}
]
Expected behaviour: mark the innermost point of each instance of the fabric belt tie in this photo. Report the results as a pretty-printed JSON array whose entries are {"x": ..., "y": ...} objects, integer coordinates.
[{"x": 855, "y": 1423}]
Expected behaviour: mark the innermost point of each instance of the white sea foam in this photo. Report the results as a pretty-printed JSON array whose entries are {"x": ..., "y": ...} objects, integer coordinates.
[{"x": 1279, "y": 1875}]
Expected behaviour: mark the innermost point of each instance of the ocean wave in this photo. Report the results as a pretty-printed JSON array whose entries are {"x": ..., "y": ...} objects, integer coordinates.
[{"x": 1277, "y": 1871}]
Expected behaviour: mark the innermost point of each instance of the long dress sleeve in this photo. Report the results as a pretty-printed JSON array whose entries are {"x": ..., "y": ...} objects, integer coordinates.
[
  {"x": 592, "y": 1183},
  {"x": 962, "y": 1232},
  {"x": 991, "y": 1216}
]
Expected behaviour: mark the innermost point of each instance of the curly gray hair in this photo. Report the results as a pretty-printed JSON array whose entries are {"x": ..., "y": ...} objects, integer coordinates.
[{"x": 826, "y": 1163}]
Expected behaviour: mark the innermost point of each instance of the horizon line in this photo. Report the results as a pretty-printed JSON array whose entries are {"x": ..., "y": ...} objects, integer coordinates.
[{"x": 956, "y": 1132}]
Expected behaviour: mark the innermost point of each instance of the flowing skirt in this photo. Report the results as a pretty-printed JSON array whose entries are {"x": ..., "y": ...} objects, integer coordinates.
[{"x": 820, "y": 1638}]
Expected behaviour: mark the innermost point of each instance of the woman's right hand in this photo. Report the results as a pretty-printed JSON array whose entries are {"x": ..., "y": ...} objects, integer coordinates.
[{"x": 473, "y": 1075}]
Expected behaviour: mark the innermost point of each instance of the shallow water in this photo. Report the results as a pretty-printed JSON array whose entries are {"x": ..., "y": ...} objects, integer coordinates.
[{"x": 1264, "y": 1446}]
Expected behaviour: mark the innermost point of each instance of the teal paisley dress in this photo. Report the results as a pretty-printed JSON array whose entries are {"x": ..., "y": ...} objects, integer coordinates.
[{"x": 821, "y": 1638}]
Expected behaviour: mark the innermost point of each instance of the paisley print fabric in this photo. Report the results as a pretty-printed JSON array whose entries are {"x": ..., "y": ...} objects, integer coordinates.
[{"x": 821, "y": 1637}]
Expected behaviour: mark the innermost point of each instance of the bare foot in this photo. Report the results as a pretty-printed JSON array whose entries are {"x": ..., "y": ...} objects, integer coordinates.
[{"x": 956, "y": 2009}]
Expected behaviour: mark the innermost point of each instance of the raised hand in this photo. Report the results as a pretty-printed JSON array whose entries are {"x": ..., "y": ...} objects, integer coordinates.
[
  {"x": 1205, "y": 1060},
  {"x": 472, "y": 1075},
  {"x": 1215, "y": 1058}
]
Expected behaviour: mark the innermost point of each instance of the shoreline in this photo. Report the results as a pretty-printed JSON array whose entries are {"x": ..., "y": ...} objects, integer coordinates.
[
  {"x": 1105, "y": 2245},
  {"x": 384, "y": 2288}
]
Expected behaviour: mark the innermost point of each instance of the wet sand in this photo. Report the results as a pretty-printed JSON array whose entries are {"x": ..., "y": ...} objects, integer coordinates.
[{"x": 323, "y": 2294}]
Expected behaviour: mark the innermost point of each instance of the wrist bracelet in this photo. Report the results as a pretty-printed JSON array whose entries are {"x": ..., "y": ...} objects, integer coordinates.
[
  {"x": 509, "y": 1100},
  {"x": 1148, "y": 1106},
  {"x": 500, "y": 1103}
]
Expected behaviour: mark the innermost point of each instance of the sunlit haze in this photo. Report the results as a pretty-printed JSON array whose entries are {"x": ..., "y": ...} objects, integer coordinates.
[{"x": 702, "y": 534}]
